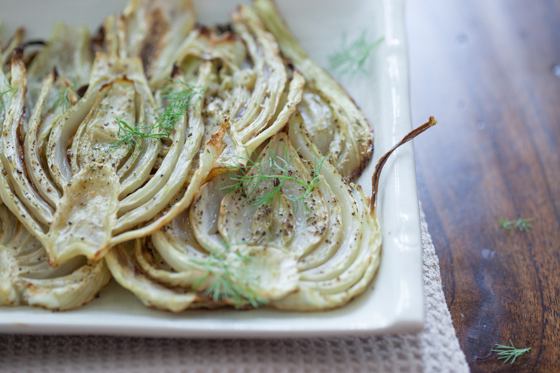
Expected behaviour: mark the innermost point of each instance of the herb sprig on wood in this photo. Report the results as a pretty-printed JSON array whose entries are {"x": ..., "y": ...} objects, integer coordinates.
[
  {"x": 509, "y": 352},
  {"x": 522, "y": 224}
]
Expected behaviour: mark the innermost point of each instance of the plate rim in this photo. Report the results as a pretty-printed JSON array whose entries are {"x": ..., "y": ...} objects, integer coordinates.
[{"x": 411, "y": 320}]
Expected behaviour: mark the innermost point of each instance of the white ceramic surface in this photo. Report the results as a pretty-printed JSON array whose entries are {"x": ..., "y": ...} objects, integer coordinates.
[{"x": 393, "y": 303}]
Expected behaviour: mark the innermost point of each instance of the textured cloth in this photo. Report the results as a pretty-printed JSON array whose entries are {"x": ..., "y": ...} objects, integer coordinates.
[{"x": 436, "y": 349}]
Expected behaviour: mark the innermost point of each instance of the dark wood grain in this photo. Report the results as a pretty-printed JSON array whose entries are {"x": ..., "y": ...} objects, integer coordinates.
[{"x": 485, "y": 70}]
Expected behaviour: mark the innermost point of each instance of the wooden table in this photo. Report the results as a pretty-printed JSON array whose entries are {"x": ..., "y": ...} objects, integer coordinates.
[{"x": 486, "y": 70}]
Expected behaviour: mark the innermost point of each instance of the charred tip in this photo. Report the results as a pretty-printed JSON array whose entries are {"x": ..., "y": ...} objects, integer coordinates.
[
  {"x": 223, "y": 28},
  {"x": 96, "y": 42},
  {"x": 29, "y": 57},
  {"x": 105, "y": 85},
  {"x": 100, "y": 33},
  {"x": 123, "y": 78},
  {"x": 34, "y": 42},
  {"x": 175, "y": 70},
  {"x": 82, "y": 90},
  {"x": 365, "y": 158},
  {"x": 379, "y": 166},
  {"x": 55, "y": 73},
  {"x": 204, "y": 31},
  {"x": 17, "y": 54},
  {"x": 202, "y": 28}
]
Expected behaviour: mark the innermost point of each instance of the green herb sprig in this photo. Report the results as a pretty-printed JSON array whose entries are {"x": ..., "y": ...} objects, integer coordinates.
[
  {"x": 351, "y": 58},
  {"x": 62, "y": 98},
  {"x": 509, "y": 352},
  {"x": 3, "y": 101},
  {"x": 232, "y": 280},
  {"x": 275, "y": 177},
  {"x": 179, "y": 102},
  {"x": 522, "y": 224},
  {"x": 177, "y": 106}
]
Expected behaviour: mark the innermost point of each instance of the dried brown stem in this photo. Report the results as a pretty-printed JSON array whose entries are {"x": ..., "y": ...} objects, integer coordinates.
[{"x": 379, "y": 166}]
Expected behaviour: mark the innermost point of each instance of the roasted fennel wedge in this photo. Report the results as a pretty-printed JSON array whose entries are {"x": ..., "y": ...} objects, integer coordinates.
[
  {"x": 99, "y": 180},
  {"x": 250, "y": 87},
  {"x": 26, "y": 278},
  {"x": 334, "y": 123},
  {"x": 239, "y": 276},
  {"x": 154, "y": 30},
  {"x": 67, "y": 51},
  {"x": 284, "y": 230}
]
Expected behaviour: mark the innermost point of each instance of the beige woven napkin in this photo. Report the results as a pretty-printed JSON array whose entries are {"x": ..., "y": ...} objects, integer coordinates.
[{"x": 436, "y": 349}]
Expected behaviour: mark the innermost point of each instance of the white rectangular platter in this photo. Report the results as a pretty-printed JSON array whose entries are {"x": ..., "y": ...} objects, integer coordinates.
[{"x": 393, "y": 303}]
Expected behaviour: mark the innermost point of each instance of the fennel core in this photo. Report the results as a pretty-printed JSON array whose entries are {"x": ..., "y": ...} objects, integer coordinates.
[
  {"x": 277, "y": 174},
  {"x": 178, "y": 104}
]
